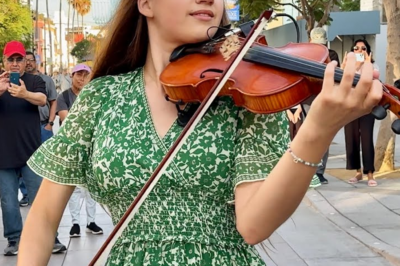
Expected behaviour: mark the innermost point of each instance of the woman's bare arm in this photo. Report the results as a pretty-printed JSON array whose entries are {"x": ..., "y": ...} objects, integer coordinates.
[
  {"x": 261, "y": 207},
  {"x": 62, "y": 114},
  {"x": 44, "y": 217}
]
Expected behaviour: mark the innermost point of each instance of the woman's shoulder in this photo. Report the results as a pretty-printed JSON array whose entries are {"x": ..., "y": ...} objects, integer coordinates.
[
  {"x": 113, "y": 84},
  {"x": 108, "y": 81}
]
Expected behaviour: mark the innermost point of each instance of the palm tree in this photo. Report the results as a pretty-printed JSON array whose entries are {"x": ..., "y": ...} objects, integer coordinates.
[
  {"x": 50, "y": 39},
  {"x": 60, "y": 38},
  {"x": 84, "y": 9},
  {"x": 68, "y": 42},
  {"x": 36, "y": 25},
  {"x": 73, "y": 3}
]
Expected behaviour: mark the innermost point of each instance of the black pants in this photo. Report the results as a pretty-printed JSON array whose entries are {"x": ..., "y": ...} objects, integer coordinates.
[{"x": 360, "y": 129}]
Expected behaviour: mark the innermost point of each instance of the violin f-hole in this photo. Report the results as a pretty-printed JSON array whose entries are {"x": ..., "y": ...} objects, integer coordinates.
[{"x": 211, "y": 70}]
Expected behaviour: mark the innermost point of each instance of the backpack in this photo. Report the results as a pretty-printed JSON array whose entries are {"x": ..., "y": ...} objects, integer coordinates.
[{"x": 66, "y": 100}]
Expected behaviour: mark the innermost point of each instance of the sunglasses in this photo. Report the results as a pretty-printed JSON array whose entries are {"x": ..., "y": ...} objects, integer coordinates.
[
  {"x": 356, "y": 48},
  {"x": 17, "y": 59}
]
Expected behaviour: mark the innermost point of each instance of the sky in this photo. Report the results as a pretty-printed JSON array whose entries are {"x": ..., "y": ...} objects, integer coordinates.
[{"x": 54, "y": 5}]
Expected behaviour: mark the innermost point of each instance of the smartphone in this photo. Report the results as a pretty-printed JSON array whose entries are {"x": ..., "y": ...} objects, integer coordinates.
[
  {"x": 14, "y": 78},
  {"x": 360, "y": 57}
]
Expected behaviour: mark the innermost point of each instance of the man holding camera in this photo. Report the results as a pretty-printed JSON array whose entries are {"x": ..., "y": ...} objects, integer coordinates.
[
  {"x": 20, "y": 96},
  {"x": 47, "y": 112}
]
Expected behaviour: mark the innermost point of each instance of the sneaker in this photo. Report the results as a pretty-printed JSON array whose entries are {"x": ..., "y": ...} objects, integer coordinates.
[
  {"x": 58, "y": 247},
  {"x": 24, "y": 201},
  {"x": 75, "y": 231},
  {"x": 322, "y": 179},
  {"x": 11, "y": 249},
  {"x": 315, "y": 182},
  {"x": 92, "y": 227}
]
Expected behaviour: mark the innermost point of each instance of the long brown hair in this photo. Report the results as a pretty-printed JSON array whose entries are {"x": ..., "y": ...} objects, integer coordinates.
[{"x": 125, "y": 46}]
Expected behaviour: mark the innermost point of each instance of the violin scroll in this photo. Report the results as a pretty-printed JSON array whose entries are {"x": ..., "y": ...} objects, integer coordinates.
[{"x": 390, "y": 101}]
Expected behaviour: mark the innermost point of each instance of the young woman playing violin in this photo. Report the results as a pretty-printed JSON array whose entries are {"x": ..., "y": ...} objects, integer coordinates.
[{"x": 231, "y": 185}]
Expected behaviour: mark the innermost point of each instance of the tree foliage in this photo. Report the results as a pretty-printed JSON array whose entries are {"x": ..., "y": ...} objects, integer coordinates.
[
  {"x": 315, "y": 12},
  {"x": 82, "y": 6},
  {"x": 252, "y": 9},
  {"x": 81, "y": 50},
  {"x": 15, "y": 23},
  {"x": 350, "y": 5}
]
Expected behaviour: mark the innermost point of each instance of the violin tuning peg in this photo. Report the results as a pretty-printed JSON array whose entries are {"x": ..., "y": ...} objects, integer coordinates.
[
  {"x": 396, "y": 126},
  {"x": 380, "y": 111}
]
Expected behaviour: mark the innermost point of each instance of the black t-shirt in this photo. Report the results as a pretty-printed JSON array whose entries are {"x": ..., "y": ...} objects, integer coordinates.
[
  {"x": 334, "y": 56},
  {"x": 19, "y": 125}
]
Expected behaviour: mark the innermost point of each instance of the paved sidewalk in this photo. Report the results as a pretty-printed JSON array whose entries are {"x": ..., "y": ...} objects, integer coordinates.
[
  {"x": 307, "y": 238},
  {"x": 336, "y": 225},
  {"x": 369, "y": 214},
  {"x": 80, "y": 250}
]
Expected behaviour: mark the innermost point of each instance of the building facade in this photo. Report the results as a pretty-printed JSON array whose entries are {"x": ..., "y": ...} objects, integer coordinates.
[{"x": 369, "y": 23}]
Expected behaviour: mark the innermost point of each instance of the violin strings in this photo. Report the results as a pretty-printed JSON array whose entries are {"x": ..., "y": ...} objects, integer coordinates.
[
  {"x": 304, "y": 62},
  {"x": 315, "y": 66},
  {"x": 314, "y": 69}
]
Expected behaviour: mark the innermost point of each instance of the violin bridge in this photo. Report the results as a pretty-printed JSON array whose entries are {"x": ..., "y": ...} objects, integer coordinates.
[{"x": 229, "y": 47}]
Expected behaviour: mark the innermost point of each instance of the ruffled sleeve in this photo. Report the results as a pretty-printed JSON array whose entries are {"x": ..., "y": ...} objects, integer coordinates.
[
  {"x": 261, "y": 142},
  {"x": 64, "y": 158}
]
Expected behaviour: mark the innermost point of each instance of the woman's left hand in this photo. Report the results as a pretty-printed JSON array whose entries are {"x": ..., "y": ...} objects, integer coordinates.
[{"x": 339, "y": 104}]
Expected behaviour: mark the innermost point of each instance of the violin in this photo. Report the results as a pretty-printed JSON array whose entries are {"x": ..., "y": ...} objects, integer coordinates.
[
  {"x": 259, "y": 78},
  {"x": 268, "y": 80}
]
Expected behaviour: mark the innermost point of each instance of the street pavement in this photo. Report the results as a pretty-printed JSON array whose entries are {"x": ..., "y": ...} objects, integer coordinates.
[{"x": 338, "y": 224}]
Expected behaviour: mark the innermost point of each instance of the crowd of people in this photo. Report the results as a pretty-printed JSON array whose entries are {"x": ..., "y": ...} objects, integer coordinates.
[{"x": 28, "y": 109}]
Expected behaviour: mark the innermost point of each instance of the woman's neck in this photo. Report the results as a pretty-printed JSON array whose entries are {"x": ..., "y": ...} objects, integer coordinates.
[{"x": 158, "y": 54}]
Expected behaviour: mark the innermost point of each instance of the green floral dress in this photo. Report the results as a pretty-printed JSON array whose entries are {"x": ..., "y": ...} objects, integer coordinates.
[{"x": 108, "y": 144}]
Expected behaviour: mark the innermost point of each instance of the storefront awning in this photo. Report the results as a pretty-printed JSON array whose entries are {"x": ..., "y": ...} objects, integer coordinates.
[{"x": 354, "y": 23}]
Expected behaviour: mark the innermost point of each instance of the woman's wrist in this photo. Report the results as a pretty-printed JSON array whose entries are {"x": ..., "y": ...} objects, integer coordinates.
[{"x": 312, "y": 141}]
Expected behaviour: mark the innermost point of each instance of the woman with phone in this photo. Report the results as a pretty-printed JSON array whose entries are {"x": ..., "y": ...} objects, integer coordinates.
[{"x": 360, "y": 131}]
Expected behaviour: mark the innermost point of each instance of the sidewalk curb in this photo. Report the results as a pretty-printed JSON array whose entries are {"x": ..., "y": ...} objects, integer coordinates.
[{"x": 317, "y": 201}]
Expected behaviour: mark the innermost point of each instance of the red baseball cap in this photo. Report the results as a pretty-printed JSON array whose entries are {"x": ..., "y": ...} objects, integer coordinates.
[{"x": 14, "y": 47}]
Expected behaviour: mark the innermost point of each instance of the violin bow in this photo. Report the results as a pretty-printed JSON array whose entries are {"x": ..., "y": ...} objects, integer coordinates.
[{"x": 101, "y": 256}]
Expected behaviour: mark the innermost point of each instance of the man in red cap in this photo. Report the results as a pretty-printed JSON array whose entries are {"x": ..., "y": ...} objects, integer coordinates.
[{"x": 20, "y": 95}]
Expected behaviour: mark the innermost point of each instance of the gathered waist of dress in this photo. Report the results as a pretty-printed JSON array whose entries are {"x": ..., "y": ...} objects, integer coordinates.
[{"x": 192, "y": 217}]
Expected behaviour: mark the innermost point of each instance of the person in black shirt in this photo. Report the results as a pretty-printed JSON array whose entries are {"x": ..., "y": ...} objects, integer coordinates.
[
  {"x": 47, "y": 113},
  {"x": 19, "y": 138}
]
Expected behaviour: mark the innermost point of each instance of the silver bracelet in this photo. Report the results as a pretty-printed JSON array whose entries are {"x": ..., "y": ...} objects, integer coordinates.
[{"x": 299, "y": 160}]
